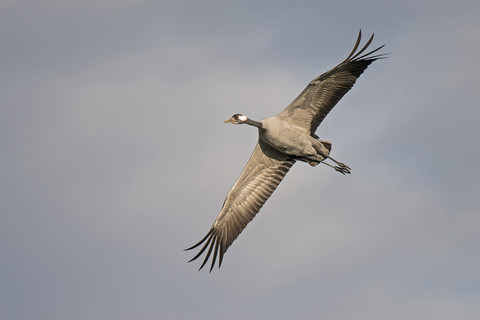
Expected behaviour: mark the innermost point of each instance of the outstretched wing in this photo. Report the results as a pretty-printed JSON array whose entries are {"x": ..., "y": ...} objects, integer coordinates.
[
  {"x": 314, "y": 103},
  {"x": 261, "y": 176}
]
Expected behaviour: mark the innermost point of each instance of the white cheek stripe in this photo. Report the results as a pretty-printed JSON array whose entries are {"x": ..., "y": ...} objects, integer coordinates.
[{"x": 242, "y": 118}]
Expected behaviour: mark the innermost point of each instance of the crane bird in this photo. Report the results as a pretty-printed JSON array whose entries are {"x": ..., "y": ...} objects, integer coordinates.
[{"x": 282, "y": 140}]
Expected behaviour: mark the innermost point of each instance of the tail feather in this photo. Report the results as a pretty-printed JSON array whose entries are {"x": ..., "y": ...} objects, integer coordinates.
[{"x": 327, "y": 145}]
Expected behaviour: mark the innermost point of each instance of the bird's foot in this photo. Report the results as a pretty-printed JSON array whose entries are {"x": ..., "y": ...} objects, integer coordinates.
[{"x": 342, "y": 168}]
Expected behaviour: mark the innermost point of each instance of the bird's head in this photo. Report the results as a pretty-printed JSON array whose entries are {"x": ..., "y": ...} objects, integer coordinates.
[{"x": 237, "y": 119}]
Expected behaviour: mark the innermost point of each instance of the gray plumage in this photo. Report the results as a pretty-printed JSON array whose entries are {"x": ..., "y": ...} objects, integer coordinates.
[{"x": 283, "y": 139}]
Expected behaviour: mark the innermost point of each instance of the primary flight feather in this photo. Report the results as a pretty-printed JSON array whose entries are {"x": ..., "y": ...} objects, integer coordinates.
[{"x": 283, "y": 139}]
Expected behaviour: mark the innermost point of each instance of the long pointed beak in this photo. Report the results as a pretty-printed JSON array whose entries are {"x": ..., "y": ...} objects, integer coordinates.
[{"x": 229, "y": 120}]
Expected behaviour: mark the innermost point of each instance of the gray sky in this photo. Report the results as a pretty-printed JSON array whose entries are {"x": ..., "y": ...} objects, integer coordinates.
[{"x": 114, "y": 157}]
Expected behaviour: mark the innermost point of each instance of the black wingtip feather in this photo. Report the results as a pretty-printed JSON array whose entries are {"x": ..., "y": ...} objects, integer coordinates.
[
  {"x": 356, "y": 45},
  {"x": 201, "y": 241},
  {"x": 368, "y": 55},
  {"x": 203, "y": 249},
  {"x": 222, "y": 252},
  {"x": 364, "y": 48},
  {"x": 208, "y": 253},
  {"x": 215, "y": 251},
  {"x": 355, "y": 56},
  {"x": 213, "y": 243}
]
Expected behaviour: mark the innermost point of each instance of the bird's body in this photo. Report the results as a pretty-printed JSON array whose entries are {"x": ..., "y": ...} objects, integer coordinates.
[
  {"x": 291, "y": 140},
  {"x": 283, "y": 139}
]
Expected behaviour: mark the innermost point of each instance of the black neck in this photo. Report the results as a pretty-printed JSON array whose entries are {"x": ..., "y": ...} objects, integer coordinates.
[{"x": 254, "y": 123}]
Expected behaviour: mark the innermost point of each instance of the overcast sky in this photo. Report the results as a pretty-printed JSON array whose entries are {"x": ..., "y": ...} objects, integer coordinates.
[{"x": 114, "y": 158}]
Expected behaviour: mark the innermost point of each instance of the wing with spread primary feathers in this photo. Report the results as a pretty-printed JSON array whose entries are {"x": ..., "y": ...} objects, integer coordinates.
[
  {"x": 314, "y": 103},
  {"x": 261, "y": 176}
]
